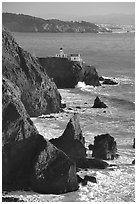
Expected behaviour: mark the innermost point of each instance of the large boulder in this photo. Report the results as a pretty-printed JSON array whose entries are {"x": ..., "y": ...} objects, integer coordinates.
[
  {"x": 72, "y": 141},
  {"x": 98, "y": 103},
  {"x": 39, "y": 93},
  {"x": 28, "y": 160},
  {"x": 67, "y": 74},
  {"x": 104, "y": 147}
]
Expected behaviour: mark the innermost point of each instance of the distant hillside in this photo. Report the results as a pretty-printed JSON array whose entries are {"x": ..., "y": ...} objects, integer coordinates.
[{"x": 26, "y": 23}]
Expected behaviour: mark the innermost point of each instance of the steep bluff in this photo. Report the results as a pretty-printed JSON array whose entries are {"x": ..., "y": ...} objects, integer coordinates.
[
  {"x": 67, "y": 74},
  {"x": 38, "y": 93}
]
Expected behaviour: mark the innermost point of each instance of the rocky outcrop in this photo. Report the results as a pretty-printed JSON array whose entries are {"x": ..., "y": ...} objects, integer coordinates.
[
  {"x": 28, "y": 160},
  {"x": 99, "y": 104},
  {"x": 26, "y": 23},
  {"x": 104, "y": 147},
  {"x": 72, "y": 141},
  {"x": 38, "y": 93},
  {"x": 91, "y": 163},
  {"x": 67, "y": 74},
  {"x": 109, "y": 82}
]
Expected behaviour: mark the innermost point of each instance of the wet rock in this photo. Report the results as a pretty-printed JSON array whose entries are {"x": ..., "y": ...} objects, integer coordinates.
[
  {"x": 98, "y": 103},
  {"x": 28, "y": 160},
  {"x": 101, "y": 78},
  {"x": 90, "y": 178},
  {"x": 134, "y": 143},
  {"x": 39, "y": 93},
  {"x": 72, "y": 141},
  {"x": 11, "y": 199},
  {"x": 78, "y": 107},
  {"x": 91, "y": 163},
  {"x": 133, "y": 162},
  {"x": 63, "y": 105},
  {"x": 90, "y": 147},
  {"x": 81, "y": 180},
  {"x": 109, "y": 82},
  {"x": 104, "y": 147}
]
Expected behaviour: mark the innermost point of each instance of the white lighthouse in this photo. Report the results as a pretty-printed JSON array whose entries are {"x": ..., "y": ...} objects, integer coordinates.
[{"x": 61, "y": 54}]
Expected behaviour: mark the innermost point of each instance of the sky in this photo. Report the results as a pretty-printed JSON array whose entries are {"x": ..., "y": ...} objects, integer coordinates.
[{"x": 68, "y": 9}]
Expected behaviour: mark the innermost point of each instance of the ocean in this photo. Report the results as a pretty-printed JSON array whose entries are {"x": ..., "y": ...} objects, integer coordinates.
[{"x": 113, "y": 55}]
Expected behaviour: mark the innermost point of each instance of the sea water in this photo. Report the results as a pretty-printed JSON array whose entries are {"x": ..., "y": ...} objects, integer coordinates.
[{"x": 113, "y": 55}]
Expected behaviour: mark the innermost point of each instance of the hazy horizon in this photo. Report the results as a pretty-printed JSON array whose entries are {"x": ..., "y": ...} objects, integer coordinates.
[{"x": 96, "y": 12}]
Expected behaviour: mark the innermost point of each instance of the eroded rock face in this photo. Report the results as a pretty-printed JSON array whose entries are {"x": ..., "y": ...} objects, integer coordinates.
[
  {"x": 98, "y": 103},
  {"x": 39, "y": 93},
  {"x": 104, "y": 147},
  {"x": 28, "y": 160},
  {"x": 72, "y": 141},
  {"x": 67, "y": 74}
]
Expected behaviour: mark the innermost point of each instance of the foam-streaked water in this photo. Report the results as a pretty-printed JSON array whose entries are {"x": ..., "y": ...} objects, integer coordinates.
[{"x": 113, "y": 55}]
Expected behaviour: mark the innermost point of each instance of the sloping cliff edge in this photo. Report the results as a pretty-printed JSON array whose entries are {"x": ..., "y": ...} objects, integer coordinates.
[{"x": 38, "y": 93}]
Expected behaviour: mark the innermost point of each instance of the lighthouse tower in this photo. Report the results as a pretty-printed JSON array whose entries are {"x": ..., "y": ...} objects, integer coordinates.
[{"x": 61, "y": 54}]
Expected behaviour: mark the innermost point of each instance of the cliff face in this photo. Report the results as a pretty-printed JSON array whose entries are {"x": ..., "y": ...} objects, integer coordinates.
[
  {"x": 38, "y": 93},
  {"x": 67, "y": 74},
  {"x": 26, "y": 23}
]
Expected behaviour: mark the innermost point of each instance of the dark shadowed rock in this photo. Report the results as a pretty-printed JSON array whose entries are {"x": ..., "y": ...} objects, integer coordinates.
[
  {"x": 81, "y": 180},
  {"x": 39, "y": 93},
  {"x": 109, "y": 82},
  {"x": 104, "y": 147},
  {"x": 90, "y": 178},
  {"x": 11, "y": 199},
  {"x": 67, "y": 74},
  {"x": 91, "y": 163},
  {"x": 72, "y": 141},
  {"x": 134, "y": 143},
  {"x": 101, "y": 78},
  {"x": 90, "y": 147},
  {"x": 133, "y": 162},
  {"x": 98, "y": 103},
  {"x": 28, "y": 160}
]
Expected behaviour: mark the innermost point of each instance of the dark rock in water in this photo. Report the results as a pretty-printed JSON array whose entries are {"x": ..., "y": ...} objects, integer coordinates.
[
  {"x": 90, "y": 178},
  {"x": 98, "y": 103},
  {"x": 109, "y": 82},
  {"x": 63, "y": 105},
  {"x": 134, "y": 143},
  {"x": 82, "y": 181},
  {"x": 91, "y": 163},
  {"x": 133, "y": 162},
  {"x": 72, "y": 141},
  {"x": 28, "y": 160},
  {"x": 11, "y": 199},
  {"x": 91, "y": 147},
  {"x": 70, "y": 108},
  {"x": 104, "y": 147},
  {"x": 101, "y": 78},
  {"x": 78, "y": 107},
  {"x": 39, "y": 93},
  {"x": 67, "y": 74}
]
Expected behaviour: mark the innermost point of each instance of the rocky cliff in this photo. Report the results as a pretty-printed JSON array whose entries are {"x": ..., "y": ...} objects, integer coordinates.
[
  {"x": 28, "y": 160},
  {"x": 67, "y": 74},
  {"x": 26, "y": 23},
  {"x": 38, "y": 93}
]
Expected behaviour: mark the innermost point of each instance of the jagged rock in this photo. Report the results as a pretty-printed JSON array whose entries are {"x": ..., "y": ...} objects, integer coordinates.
[
  {"x": 134, "y": 143},
  {"x": 109, "y": 82},
  {"x": 98, "y": 103},
  {"x": 28, "y": 160},
  {"x": 72, "y": 141},
  {"x": 39, "y": 93},
  {"x": 81, "y": 180},
  {"x": 67, "y": 74},
  {"x": 104, "y": 147},
  {"x": 101, "y": 78}
]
